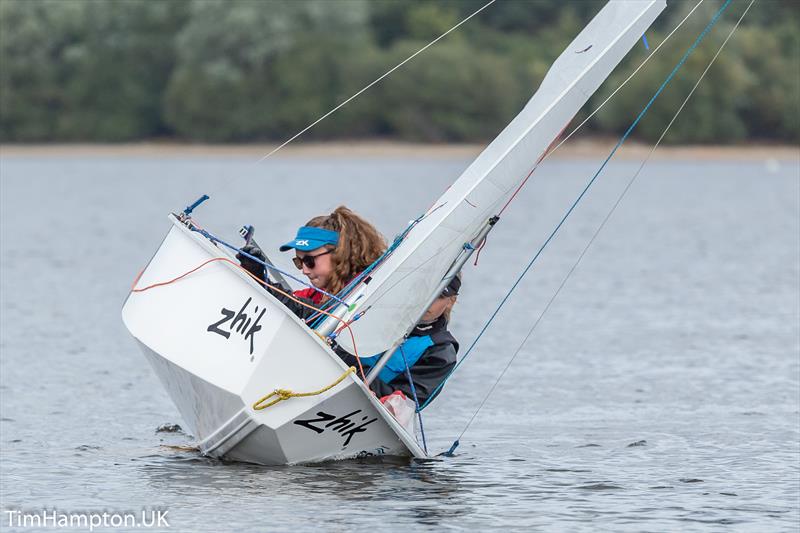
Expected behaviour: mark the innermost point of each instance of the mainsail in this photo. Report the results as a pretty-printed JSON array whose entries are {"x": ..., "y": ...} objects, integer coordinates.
[{"x": 402, "y": 286}]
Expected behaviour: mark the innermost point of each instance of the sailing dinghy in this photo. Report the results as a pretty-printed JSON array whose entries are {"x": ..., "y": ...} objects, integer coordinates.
[{"x": 253, "y": 382}]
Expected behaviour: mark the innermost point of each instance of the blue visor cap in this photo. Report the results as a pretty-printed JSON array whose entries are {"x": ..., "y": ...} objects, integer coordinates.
[{"x": 310, "y": 238}]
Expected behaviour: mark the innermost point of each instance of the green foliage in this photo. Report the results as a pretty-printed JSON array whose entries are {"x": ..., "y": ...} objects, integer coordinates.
[
  {"x": 456, "y": 93},
  {"x": 703, "y": 119},
  {"x": 81, "y": 70},
  {"x": 36, "y": 39},
  {"x": 428, "y": 21},
  {"x": 250, "y": 70},
  {"x": 750, "y": 92},
  {"x": 772, "y": 60},
  {"x": 243, "y": 70}
]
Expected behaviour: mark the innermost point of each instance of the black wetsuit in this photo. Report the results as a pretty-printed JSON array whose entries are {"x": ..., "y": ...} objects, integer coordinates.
[{"x": 430, "y": 369}]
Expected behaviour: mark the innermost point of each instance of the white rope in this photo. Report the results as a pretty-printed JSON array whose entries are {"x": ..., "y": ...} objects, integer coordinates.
[
  {"x": 603, "y": 223},
  {"x": 377, "y": 80},
  {"x": 223, "y": 184},
  {"x": 415, "y": 54}
]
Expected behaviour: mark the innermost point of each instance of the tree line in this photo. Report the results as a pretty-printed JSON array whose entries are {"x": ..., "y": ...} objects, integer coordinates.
[{"x": 260, "y": 70}]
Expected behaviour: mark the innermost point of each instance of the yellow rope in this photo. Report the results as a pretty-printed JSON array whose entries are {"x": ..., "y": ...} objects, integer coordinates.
[{"x": 284, "y": 394}]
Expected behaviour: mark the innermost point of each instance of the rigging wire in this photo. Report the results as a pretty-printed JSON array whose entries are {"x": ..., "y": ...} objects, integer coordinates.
[
  {"x": 377, "y": 80},
  {"x": 600, "y": 228},
  {"x": 572, "y": 207},
  {"x": 365, "y": 88}
]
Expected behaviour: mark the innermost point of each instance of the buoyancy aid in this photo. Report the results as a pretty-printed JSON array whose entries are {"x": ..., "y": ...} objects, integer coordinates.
[
  {"x": 309, "y": 294},
  {"x": 413, "y": 349},
  {"x": 407, "y": 354}
]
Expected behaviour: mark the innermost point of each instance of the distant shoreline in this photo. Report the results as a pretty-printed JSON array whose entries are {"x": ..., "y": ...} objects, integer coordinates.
[{"x": 579, "y": 149}]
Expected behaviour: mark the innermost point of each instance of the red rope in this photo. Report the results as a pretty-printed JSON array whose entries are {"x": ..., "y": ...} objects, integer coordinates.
[{"x": 547, "y": 151}]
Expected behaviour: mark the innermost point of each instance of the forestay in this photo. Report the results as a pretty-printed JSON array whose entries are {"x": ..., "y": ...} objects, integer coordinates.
[{"x": 401, "y": 287}]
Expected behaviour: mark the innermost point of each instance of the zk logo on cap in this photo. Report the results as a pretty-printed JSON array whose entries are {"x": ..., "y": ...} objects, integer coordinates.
[{"x": 310, "y": 238}]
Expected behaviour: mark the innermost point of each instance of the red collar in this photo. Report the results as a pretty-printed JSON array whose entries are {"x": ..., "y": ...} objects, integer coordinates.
[{"x": 310, "y": 294}]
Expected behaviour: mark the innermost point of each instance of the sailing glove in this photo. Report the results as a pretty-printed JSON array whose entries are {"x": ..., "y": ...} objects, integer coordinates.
[{"x": 254, "y": 267}]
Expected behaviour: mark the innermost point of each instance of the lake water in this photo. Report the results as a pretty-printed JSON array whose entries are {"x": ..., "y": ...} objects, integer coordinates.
[{"x": 661, "y": 391}]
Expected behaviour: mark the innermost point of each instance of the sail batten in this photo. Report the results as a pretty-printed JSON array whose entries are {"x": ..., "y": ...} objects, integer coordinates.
[{"x": 405, "y": 282}]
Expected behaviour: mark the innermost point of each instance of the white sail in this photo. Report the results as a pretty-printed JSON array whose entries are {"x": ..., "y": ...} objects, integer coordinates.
[{"x": 405, "y": 282}]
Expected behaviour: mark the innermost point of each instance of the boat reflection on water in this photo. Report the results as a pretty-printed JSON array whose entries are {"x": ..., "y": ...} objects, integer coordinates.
[{"x": 425, "y": 491}]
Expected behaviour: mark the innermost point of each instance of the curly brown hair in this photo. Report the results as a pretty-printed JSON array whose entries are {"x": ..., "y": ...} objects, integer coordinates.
[{"x": 360, "y": 244}]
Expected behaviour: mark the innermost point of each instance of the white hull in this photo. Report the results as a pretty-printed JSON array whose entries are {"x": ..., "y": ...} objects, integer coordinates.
[{"x": 198, "y": 334}]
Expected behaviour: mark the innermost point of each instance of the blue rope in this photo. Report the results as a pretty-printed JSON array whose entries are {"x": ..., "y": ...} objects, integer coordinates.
[
  {"x": 211, "y": 237},
  {"x": 416, "y": 401},
  {"x": 580, "y": 197}
]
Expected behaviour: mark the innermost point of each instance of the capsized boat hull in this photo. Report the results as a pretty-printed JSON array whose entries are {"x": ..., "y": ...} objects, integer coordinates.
[{"x": 219, "y": 342}]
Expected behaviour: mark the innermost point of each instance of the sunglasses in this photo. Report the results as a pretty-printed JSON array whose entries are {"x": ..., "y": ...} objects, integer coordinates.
[{"x": 307, "y": 260}]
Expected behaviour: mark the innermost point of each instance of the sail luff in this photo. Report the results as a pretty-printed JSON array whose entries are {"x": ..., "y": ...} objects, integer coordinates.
[{"x": 401, "y": 286}]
